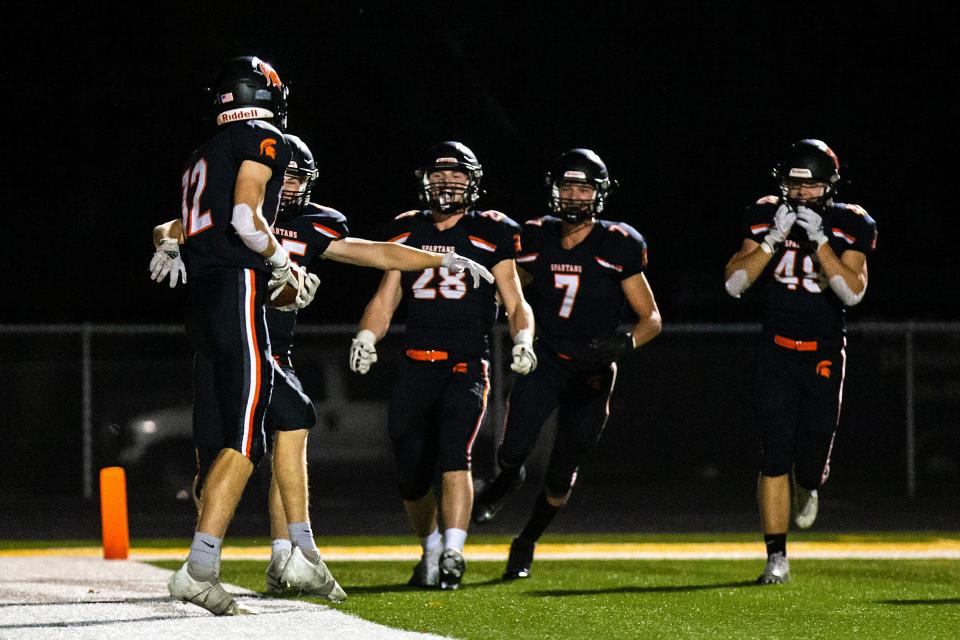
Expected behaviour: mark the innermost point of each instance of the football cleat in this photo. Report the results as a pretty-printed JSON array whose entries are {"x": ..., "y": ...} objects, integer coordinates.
[
  {"x": 207, "y": 594},
  {"x": 274, "y": 570},
  {"x": 311, "y": 578},
  {"x": 452, "y": 566},
  {"x": 805, "y": 506},
  {"x": 520, "y": 559},
  {"x": 776, "y": 571},
  {"x": 495, "y": 493},
  {"x": 426, "y": 574}
]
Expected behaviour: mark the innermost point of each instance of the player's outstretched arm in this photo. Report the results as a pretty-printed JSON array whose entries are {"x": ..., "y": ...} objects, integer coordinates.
[{"x": 390, "y": 255}]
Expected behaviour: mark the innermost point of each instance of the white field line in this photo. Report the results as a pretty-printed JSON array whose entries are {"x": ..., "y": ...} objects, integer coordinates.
[
  {"x": 935, "y": 549},
  {"x": 46, "y": 598}
]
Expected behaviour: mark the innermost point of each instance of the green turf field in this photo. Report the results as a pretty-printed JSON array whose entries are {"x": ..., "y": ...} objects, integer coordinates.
[{"x": 657, "y": 599}]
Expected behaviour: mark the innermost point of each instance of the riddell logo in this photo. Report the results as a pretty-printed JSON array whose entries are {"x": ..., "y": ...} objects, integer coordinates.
[
  {"x": 247, "y": 113},
  {"x": 268, "y": 147},
  {"x": 823, "y": 368}
]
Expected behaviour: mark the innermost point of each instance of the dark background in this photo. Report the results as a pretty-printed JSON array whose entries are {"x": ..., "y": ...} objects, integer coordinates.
[{"x": 689, "y": 104}]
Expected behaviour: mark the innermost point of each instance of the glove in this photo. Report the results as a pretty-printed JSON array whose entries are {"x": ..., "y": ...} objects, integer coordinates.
[
  {"x": 455, "y": 264},
  {"x": 309, "y": 289},
  {"x": 611, "y": 347},
  {"x": 524, "y": 358},
  {"x": 167, "y": 260},
  {"x": 812, "y": 223},
  {"x": 283, "y": 272},
  {"x": 362, "y": 352},
  {"x": 783, "y": 221}
]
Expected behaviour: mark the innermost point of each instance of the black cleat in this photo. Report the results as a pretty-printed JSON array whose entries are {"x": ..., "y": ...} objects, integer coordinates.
[
  {"x": 452, "y": 566},
  {"x": 495, "y": 493},
  {"x": 521, "y": 557}
]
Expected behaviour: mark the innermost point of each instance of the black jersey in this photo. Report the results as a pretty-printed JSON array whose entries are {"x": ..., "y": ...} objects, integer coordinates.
[
  {"x": 795, "y": 296},
  {"x": 209, "y": 179},
  {"x": 576, "y": 293},
  {"x": 305, "y": 237},
  {"x": 444, "y": 311}
]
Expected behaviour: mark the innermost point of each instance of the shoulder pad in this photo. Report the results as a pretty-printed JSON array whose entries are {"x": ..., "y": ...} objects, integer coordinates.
[
  {"x": 497, "y": 216},
  {"x": 320, "y": 210},
  {"x": 262, "y": 125}
]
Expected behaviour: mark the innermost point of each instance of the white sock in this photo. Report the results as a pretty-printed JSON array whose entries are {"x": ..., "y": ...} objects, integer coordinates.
[
  {"x": 432, "y": 542},
  {"x": 279, "y": 545},
  {"x": 454, "y": 539},
  {"x": 301, "y": 535}
]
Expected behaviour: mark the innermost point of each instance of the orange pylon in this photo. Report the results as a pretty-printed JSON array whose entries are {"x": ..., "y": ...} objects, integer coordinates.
[{"x": 113, "y": 513}]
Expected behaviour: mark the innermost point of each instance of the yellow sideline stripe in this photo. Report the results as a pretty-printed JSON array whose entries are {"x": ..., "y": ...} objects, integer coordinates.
[{"x": 948, "y": 547}]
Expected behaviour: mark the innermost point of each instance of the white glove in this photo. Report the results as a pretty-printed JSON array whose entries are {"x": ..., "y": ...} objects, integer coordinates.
[
  {"x": 362, "y": 352},
  {"x": 456, "y": 263},
  {"x": 283, "y": 272},
  {"x": 306, "y": 294},
  {"x": 783, "y": 221},
  {"x": 167, "y": 260},
  {"x": 812, "y": 223},
  {"x": 524, "y": 359}
]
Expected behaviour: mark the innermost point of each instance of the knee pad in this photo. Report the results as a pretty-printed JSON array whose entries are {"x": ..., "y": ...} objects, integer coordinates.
[
  {"x": 559, "y": 483},
  {"x": 414, "y": 484},
  {"x": 775, "y": 461}
]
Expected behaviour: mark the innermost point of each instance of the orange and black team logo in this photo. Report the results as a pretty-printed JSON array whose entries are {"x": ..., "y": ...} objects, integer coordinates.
[
  {"x": 823, "y": 368},
  {"x": 273, "y": 78},
  {"x": 268, "y": 147}
]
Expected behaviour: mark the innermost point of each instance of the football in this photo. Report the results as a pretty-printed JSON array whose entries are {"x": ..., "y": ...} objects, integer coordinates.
[{"x": 287, "y": 296}]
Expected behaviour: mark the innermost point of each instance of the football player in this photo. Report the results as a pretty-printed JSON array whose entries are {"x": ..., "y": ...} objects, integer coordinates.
[
  {"x": 804, "y": 257},
  {"x": 440, "y": 395},
  {"x": 307, "y": 230},
  {"x": 230, "y": 190},
  {"x": 579, "y": 272}
]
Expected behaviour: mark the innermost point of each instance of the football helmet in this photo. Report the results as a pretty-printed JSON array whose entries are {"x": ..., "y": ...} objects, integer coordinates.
[
  {"x": 247, "y": 88},
  {"x": 302, "y": 167},
  {"x": 809, "y": 160},
  {"x": 449, "y": 197},
  {"x": 580, "y": 166}
]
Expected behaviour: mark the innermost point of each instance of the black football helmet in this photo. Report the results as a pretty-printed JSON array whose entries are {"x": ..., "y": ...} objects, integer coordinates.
[
  {"x": 302, "y": 167},
  {"x": 809, "y": 160},
  {"x": 449, "y": 197},
  {"x": 581, "y": 166},
  {"x": 247, "y": 88}
]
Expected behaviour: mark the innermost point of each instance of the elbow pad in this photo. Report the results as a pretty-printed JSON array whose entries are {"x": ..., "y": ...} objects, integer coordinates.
[
  {"x": 737, "y": 283},
  {"x": 844, "y": 292},
  {"x": 242, "y": 221}
]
